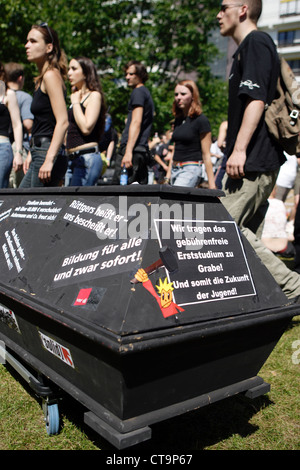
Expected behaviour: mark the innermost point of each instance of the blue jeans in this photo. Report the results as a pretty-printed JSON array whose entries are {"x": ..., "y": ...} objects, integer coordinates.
[
  {"x": 84, "y": 170},
  {"x": 6, "y": 161},
  {"x": 38, "y": 155},
  {"x": 187, "y": 176}
]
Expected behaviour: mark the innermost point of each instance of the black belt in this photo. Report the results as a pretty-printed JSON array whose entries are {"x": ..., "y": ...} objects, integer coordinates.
[
  {"x": 39, "y": 140},
  {"x": 138, "y": 148},
  {"x": 77, "y": 153}
]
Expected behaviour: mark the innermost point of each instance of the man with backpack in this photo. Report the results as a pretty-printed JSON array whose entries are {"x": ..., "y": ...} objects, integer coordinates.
[{"x": 254, "y": 158}]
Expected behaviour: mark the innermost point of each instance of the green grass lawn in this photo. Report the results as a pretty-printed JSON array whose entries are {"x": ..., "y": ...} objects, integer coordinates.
[{"x": 270, "y": 422}]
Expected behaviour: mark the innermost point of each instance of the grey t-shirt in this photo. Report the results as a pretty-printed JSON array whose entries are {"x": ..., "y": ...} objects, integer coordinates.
[{"x": 24, "y": 102}]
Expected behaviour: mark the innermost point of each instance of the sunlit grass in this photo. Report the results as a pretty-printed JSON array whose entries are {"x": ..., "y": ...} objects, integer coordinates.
[{"x": 270, "y": 422}]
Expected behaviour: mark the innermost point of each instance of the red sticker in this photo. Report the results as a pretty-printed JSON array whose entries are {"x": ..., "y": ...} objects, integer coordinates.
[{"x": 83, "y": 296}]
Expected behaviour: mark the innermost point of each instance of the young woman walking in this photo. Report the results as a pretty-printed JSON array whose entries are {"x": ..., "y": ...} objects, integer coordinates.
[
  {"x": 86, "y": 123},
  {"x": 46, "y": 164},
  {"x": 9, "y": 115}
]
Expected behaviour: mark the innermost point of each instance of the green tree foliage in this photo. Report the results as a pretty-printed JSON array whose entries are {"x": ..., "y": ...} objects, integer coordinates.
[{"x": 170, "y": 37}]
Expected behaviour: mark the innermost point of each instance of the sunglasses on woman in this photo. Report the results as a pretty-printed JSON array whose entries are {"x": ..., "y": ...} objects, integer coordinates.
[{"x": 45, "y": 25}]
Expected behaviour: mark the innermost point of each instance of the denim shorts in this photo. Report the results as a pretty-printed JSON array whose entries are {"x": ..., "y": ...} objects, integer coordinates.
[
  {"x": 6, "y": 161},
  {"x": 188, "y": 175}
]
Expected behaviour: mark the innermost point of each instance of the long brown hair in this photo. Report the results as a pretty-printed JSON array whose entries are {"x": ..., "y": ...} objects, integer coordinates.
[
  {"x": 196, "y": 107},
  {"x": 56, "y": 58},
  {"x": 93, "y": 84},
  {"x": 3, "y": 76},
  {"x": 90, "y": 73}
]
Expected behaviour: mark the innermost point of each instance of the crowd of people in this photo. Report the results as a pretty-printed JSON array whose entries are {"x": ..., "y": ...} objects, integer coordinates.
[
  {"x": 49, "y": 145},
  {"x": 46, "y": 144}
]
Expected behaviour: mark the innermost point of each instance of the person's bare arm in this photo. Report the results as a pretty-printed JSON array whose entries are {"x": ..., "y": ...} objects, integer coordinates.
[
  {"x": 54, "y": 88},
  {"x": 134, "y": 130},
  {"x": 222, "y": 134},
  {"x": 14, "y": 112},
  {"x": 206, "y": 156},
  {"x": 86, "y": 121},
  {"x": 170, "y": 158}
]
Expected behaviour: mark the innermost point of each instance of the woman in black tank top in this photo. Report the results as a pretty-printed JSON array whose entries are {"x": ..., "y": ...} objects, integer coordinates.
[
  {"x": 9, "y": 115},
  {"x": 86, "y": 124},
  {"x": 46, "y": 164}
]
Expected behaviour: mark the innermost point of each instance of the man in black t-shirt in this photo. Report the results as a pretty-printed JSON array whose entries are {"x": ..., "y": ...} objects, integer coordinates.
[
  {"x": 134, "y": 151},
  {"x": 254, "y": 158},
  {"x": 253, "y": 80}
]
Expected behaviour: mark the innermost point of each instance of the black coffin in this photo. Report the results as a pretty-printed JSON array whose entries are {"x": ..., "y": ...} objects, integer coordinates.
[{"x": 198, "y": 329}]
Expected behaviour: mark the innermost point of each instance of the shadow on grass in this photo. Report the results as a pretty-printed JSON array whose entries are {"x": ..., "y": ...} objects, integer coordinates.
[
  {"x": 196, "y": 430},
  {"x": 208, "y": 426}
]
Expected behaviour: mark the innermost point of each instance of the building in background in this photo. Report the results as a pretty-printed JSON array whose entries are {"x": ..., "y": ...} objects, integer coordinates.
[{"x": 281, "y": 20}]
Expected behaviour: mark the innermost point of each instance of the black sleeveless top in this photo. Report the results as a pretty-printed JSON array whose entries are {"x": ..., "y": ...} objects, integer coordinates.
[
  {"x": 75, "y": 137},
  {"x": 4, "y": 120},
  {"x": 44, "y": 119}
]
